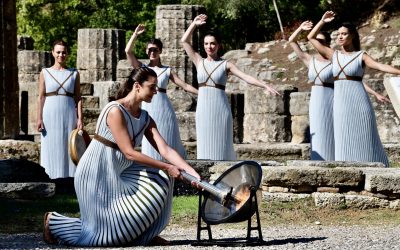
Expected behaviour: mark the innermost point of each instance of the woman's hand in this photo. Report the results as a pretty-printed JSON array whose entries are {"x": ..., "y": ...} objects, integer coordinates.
[
  {"x": 271, "y": 90},
  {"x": 328, "y": 16},
  {"x": 382, "y": 99},
  {"x": 40, "y": 125},
  {"x": 306, "y": 25},
  {"x": 200, "y": 19},
  {"x": 79, "y": 124},
  {"x": 140, "y": 29},
  {"x": 173, "y": 171}
]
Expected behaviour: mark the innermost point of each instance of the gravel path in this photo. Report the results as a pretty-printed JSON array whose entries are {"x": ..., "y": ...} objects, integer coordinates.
[{"x": 291, "y": 237}]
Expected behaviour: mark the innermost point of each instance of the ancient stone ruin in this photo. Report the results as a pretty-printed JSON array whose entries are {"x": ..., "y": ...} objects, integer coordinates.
[{"x": 266, "y": 128}]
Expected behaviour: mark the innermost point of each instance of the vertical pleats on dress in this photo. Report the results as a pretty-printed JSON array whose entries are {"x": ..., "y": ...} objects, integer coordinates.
[
  {"x": 163, "y": 114},
  {"x": 121, "y": 202},
  {"x": 356, "y": 132},
  {"x": 59, "y": 119},
  {"x": 321, "y": 111},
  {"x": 214, "y": 125}
]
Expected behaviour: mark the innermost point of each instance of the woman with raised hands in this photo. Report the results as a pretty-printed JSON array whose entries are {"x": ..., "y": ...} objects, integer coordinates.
[
  {"x": 214, "y": 127},
  {"x": 160, "y": 108},
  {"x": 321, "y": 100},
  {"x": 355, "y": 128}
]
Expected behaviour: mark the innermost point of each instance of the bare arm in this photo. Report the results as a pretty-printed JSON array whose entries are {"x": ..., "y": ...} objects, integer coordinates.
[
  {"x": 117, "y": 125},
  {"x": 249, "y": 79},
  {"x": 78, "y": 101},
  {"x": 157, "y": 141},
  {"x": 129, "y": 46},
  {"x": 378, "y": 96},
  {"x": 325, "y": 51},
  {"x": 178, "y": 81},
  {"x": 41, "y": 100},
  {"x": 187, "y": 36},
  {"x": 304, "y": 57},
  {"x": 371, "y": 63}
]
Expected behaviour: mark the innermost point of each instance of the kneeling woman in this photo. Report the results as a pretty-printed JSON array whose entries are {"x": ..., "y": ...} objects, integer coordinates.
[{"x": 124, "y": 196}]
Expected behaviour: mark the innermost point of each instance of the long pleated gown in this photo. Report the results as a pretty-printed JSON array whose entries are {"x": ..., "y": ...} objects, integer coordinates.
[
  {"x": 214, "y": 127},
  {"x": 59, "y": 119},
  {"x": 321, "y": 110},
  {"x": 121, "y": 202},
  {"x": 356, "y": 132},
  {"x": 163, "y": 114}
]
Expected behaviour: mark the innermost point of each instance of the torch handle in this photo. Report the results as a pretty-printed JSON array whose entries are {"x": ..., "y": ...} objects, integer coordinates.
[{"x": 205, "y": 185}]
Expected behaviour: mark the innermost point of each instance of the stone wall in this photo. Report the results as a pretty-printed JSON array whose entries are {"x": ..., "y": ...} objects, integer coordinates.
[
  {"x": 30, "y": 63},
  {"x": 328, "y": 184}
]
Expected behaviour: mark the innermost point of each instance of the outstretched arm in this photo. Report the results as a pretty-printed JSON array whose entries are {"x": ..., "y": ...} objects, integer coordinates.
[
  {"x": 325, "y": 51},
  {"x": 304, "y": 57},
  {"x": 249, "y": 79},
  {"x": 186, "y": 38},
  {"x": 153, "y": 136},
  {"x": 117, "y": 125},
  {"x": 178, "y": 81},
  {"x": 379, "y": 97},
  {"x": 129, "y": 46},
  {"x": 371, "y": 63}
]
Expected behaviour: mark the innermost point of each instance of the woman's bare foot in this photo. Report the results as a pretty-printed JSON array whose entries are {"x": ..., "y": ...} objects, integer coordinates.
[
  {"x": 158, "y": 241},
  {"x": 47, "y": 236}
]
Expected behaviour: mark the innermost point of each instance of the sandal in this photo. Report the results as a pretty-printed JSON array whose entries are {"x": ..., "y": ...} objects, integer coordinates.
[
  {"x": 159, "y": 241},
  {"x": 47, "y": 236}
]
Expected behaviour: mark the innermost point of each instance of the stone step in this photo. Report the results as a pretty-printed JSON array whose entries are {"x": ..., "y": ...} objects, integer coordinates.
[
  {"x": 27, "y": 191},
  {"x": 90, "y": 102}
]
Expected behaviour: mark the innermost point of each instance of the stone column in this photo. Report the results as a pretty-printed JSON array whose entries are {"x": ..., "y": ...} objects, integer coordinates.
[
  {"x": 171, "y": 23},
  {"x": 30, "y": 63},
  {"x": 99, "y": 51},
  {"x": 267, "y": 118},
  {"x": 9, "y": 115}
]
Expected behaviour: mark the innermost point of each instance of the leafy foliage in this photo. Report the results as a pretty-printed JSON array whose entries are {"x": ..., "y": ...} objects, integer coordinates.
[{"x": 237, "y": 21}]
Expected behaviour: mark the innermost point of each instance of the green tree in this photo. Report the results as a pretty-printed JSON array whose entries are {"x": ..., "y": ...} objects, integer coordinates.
[{"x": 48, "y": 20}]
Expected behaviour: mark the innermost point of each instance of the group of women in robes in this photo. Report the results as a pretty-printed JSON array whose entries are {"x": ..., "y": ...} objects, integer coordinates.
[
  {"x": 125, "y": 196},
  {"x": 342, "y": 119}
]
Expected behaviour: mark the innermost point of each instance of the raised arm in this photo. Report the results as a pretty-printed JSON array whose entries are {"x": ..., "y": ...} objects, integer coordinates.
[
  {"x": 78, "y": 101},
  {"x": 325, "y": 51},
  {"x": 117, "y": 125},
  {"x": 303, "y": 56},
  {"x": 371, "y": 63},
  {"x": 249, "y": 79},
  {"x": 178, "y": 81},
  {"x": 129, "y": 46},
  {"x": 187, "y": 37}
]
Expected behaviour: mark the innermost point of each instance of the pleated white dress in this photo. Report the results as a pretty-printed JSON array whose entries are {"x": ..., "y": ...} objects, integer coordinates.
[
  {"x": 321, "y": 110},
  {"x": 59, "y": 119},
  {"x": 214, "y": 127},
  {"x": 356, "y": 133},
  {"x": 121, "y": 202},
  {"x": 163, "y": 114}
]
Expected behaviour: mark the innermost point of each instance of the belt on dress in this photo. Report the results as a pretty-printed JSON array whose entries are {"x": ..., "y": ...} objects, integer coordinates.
[
  {"x": 105, "y": 141},
  {"x": 56, "y": 93},
  {"x": 350, "y": 78},
  {"x": 218, "y": 86},
  {"x": 326, "y": 84},
  {"x": 161, "y": 90}
]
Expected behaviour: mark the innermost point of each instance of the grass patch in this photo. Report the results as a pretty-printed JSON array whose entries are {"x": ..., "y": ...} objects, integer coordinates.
[{"x": 20, "y": 216}]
